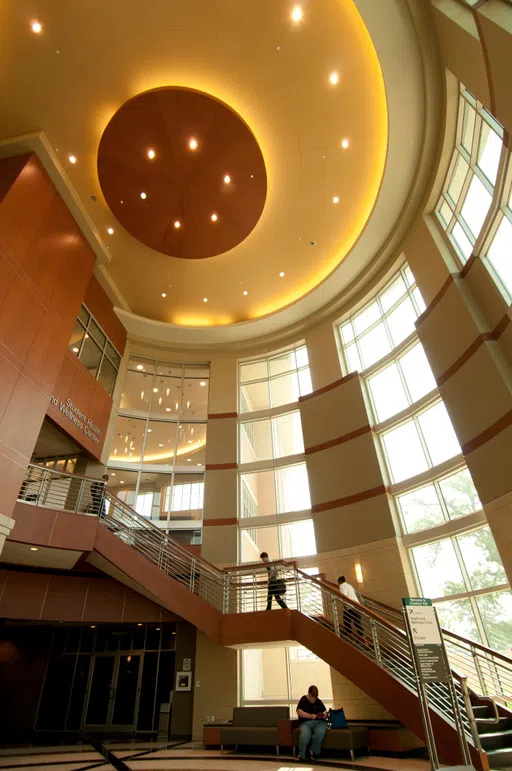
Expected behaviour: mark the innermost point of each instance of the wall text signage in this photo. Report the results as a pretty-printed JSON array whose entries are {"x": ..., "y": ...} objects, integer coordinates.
[{"x": 76, "y": 416}]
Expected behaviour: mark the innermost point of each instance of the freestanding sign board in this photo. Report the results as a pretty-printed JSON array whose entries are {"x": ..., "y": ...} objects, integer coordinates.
[
  {"x": 431, "y": 665},
  {"x": 427, "y": 640}
]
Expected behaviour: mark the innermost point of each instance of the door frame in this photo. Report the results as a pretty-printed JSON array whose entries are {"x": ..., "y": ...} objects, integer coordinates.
[{"x": 109, "y": 727}]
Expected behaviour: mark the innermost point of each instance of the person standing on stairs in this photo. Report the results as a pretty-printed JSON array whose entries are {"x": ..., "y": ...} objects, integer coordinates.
[
  {"x": 276, "y": 586},
  {"x": 350, "y": 614},
  {"x": 312, "y": 724}
]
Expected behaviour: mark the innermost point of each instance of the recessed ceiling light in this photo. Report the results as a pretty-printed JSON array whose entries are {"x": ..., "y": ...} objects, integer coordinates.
[
  {"x": 121, "y": 482},
  {"x": 36, "y": 27},
  {"x": 345, "y": 143},
  {"x": 72, "y": 158},
  {"x": 149, "y": 430},
  {"x": 202, "y": 383},
  {"x": 113, "y": 473},
  {"x": 281, "y": 275},
  {"x": 143, "y": 196},
  {"x": 227, "y": 179},
  {"x": 151, "y": 154},
  {"x": 139, "y": 624},
  {"x": 189, "y": 460},
  {"x": 164, "y": 294},
  {"x": 205, "y": 299},
  {"x": 334, "y": 78},
  {"x": 93, "y": 626},
  {"x": 177, "y": 224},
  {"x": 214, "y": 217},
  {"x": 160, "y": 445},
  {"x": 297, "y": 14},
  {"x": 110, "y": 231},
  {"x": 139, "y": 366},
  {"x": 33, "y": 548},
  {"x": 198, "y": 464},
  {"x": 189, "y": 441},
  {"x": 335, "y": 199},
  {"x": 75, "y": 350},
  {"x": 245, "y": 292},
  {"x": 155, "y": 390},
  {"x": 167, "y": 409},
  {"x": 193, "y": 143}
]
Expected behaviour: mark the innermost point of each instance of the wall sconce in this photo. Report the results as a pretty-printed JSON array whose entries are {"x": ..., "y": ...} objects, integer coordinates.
[{"x": 359, "y": 573}]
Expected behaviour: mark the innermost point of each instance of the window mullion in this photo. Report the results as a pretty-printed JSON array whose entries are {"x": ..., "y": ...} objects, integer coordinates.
[{"x": 422, "y": 441}]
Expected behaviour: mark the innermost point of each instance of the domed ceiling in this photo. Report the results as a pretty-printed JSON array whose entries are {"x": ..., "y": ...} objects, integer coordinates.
[{"x": 286, "y": 99}]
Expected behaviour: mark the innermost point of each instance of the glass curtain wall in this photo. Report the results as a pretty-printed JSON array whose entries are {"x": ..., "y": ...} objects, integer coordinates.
[
  {"x": 475, "y": 207},
  {"x": 274, "y": 488},
  {"x": 430, "y": 484},
  {"x": 157, "y": 456},
  {"x": 91, "y": 345}
]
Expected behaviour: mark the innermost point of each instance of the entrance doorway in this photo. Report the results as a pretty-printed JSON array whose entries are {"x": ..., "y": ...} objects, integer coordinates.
[{"x": 113, "y": 692}]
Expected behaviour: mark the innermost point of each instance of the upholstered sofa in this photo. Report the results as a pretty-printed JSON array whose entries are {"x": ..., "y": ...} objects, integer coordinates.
[
  {"x": 351, "y": 739},
  {"x": 254, "y": 726}
]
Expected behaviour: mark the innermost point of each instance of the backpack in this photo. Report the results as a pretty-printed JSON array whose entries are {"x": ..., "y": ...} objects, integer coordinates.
[{"x": 337, "y": 718}]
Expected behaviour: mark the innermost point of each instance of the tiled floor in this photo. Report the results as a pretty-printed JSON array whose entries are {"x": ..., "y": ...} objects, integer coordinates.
[{"x": 154, "y": 756}]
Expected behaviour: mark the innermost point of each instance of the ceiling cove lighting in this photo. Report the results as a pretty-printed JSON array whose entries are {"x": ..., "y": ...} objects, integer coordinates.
[
  {"x": 334, "y": 78},
  {"x": 193, "y": 143},
  {"x": 151, "y": 154},
  {"x": 72, "y": 158},
  {"x": 345, "y": 143},
  {"x": 36, "y": 27},
  {"x": 297, "y": 14}
]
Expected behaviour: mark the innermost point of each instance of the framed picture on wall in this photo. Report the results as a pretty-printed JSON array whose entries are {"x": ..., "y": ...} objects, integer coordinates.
[{"x": 183, "y": 681}]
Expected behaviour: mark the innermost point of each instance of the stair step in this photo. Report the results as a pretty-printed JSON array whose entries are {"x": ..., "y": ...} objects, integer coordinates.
[
  {"x": 482, "y": 711},
  {"x": 500, "y": 758},
  {"x": 490, "y": 727},
  {"x": 496, "y": 740}
]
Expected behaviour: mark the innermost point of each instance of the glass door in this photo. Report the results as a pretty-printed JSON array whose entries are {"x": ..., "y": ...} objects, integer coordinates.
[{"x": 113, "y": 692}]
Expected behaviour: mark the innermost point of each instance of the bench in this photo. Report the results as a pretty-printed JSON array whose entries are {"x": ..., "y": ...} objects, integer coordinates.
[
  {"x": 254, "y": 727},
  {"x": 352, "y": 739}
]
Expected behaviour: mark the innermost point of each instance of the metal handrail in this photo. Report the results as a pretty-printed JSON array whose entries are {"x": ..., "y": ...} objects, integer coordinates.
[
  {"x": 488, "y": 672},
  {"x": 244, "y": 588}
]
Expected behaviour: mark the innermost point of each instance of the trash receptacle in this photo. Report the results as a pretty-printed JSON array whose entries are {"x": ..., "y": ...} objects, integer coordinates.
[{"x": 164, "y": 720}]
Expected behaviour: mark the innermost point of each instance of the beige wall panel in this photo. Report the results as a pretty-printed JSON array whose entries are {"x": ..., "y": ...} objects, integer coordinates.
[
  {"x": 485, "y": 292},
  {"x": 387, "y": 572},
  {"x": 490, "y": 466},
  {"x": 223, "y": 384},
  {"x": 422, "y": 250},
  {"x": 345, "y": 469},
  {"x": 216, "y": 673},
  {"x": 354, "y": 525},
  {"x": 334, "y": 413},
  {"x": 496, "y": 30},
  {"x": 220, "y": 544},
  {"x": 355, "y": 702},
  {"x": 221, "y": 441},
  {"x": 451, "y": 322},
  {"x": 499, "y": 516},
  {"x": 476, "y": 396},
  {"x": 460, "y": 46},
  {"x": 220, "y": 494},
  {"x": 323, "y": 355}
]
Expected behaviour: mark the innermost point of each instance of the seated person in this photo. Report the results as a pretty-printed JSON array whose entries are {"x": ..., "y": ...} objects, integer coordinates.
[{"x": 312, "y": 723}]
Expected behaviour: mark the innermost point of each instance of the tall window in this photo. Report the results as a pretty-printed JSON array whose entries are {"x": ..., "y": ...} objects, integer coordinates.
[
  {"x": 421, "y": 456},
  {"x": 383, "y": 323},
  {"x": 274, "y": 381},
  {"x": 280, "y": 676},
  {"x": 479, "y": 181},
  {"x": 272, "y": 470},
  {"x": 157, "y": 456},
  {"x": 91, "y": 345}
]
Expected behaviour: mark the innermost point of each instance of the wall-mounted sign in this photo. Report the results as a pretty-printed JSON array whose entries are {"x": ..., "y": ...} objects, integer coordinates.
[
  {"x": 76, "y": 416},
  {"x": 187, "y": 665},
  {"x": 426, "y": 639}
]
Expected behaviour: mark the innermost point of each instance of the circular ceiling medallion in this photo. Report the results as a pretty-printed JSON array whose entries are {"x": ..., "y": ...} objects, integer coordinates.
[{"x": 182, "y": 172}]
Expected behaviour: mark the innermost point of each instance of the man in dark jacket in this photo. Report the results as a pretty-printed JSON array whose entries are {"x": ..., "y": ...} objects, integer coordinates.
[
  {"x": 276, "y": 586},
  {"x": 98, "y": 489}
]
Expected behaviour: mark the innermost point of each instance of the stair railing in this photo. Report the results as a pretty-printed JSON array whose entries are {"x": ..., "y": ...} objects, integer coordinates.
[{"x": 245, "y": 588}]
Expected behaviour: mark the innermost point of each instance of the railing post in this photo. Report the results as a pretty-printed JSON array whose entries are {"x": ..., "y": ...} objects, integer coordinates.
[
  {"x": 192, "y": 574},
  {"x": 297, "y": 591},
  {"x": 79, "y": 496},
  {"x": 375, "y": 640},
  {"x": 471, "y": 716},
  {"x": 478, "y": 670},
  {"x": 335, "y": 617},
  {"x": 225, "y": 594},
  {"x": 41, "y": 484}
]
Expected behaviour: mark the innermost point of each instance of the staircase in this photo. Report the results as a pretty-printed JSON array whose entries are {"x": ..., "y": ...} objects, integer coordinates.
[{"x": 229, "y": 606}]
